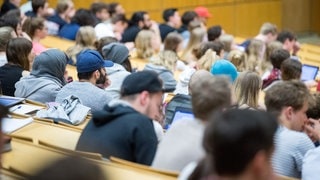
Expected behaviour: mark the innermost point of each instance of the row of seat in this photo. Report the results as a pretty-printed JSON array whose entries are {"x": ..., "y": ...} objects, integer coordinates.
[
  {"x": 310, "y": 54},
  {"x": 24, "y": 151}
]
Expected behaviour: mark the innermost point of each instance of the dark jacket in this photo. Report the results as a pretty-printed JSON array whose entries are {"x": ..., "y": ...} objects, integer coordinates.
[
  {"x": 165, "y": 30},
  {"x": 130, "y": 34},
  {"x": 9, "y": 75},
  {"x": 122, "y": 132}
]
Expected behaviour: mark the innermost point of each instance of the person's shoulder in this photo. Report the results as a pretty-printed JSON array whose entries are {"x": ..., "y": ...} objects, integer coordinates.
[
  {"x": 295, "y": 138},
  {"x": 187, "y": 125}
]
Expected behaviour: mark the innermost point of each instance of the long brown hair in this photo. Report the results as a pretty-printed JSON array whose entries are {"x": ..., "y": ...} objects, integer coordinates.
[{"x": 18, "y": 50}]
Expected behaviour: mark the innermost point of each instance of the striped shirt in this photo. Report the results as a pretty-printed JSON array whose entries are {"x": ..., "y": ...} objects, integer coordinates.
[{"x": 290, "y": 148}]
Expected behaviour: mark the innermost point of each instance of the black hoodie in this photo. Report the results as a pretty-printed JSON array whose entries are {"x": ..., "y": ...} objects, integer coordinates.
[{"x": 122, "y": 132}]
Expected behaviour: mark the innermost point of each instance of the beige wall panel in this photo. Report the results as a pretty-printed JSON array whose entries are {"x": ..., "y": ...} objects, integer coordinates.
[
  {"x": 315, "y": 16},
  {"x": 296, "y": 15},
  {"x": 224, "y": 16},
  {"x": 250, "y": 16}
]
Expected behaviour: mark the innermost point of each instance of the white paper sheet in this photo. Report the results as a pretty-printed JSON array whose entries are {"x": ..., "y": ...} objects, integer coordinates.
[{"x": 10, "y": 125}]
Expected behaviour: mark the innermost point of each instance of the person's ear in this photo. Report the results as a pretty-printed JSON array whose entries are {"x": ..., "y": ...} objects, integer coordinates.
[
  {"x": 288, "y": 112},
  {"x": 96, "y": 74},
  {"x": 144, "y": 98}
]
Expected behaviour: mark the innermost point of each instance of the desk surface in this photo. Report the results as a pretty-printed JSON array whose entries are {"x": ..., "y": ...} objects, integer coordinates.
[
  {"x": 54, "y": 134},
  {"x": 56, "y": 42},
  {"x": 24, "y": 152}
]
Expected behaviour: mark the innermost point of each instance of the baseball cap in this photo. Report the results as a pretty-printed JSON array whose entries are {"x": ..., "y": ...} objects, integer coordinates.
[
  {"x": 224, "y": 67},
  {"x": 90, "y": 60},
  {"x": 141, "y": 81},
  {"x": 202, "y": 12}
]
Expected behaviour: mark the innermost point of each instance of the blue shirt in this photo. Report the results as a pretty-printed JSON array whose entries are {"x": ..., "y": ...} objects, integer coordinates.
[{"x": 69, "y": 31}]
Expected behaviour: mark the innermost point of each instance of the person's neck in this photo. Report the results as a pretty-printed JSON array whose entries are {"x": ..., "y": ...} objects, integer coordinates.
[
  {"x": 171, "y": 24},
  {"x": 36, "y": 39},
  {"x": 92, "y": 81},
  {"x": 284, "y": 122}
]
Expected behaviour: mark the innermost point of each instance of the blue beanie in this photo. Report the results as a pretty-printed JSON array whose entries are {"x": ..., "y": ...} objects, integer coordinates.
[{"x": 224, "y": 67}]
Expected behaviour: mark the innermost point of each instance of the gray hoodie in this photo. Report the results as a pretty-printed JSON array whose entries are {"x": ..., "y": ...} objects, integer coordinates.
[
  {"x": 164, "y": 74},
  {"x": 116, "y": 75},
  {"x": 46, "y": 77}
]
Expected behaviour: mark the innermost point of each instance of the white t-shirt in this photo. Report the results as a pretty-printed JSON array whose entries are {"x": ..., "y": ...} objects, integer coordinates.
[{"x": 103, "y": 30}]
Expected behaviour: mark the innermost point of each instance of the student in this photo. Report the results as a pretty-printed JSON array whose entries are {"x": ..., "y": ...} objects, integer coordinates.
[
  {"x": 246, "y": 89},
  {"x": 6, "y": 33},
  {"x": 124, "y": 127},
  {"x": 116, "y": 9},
  {"x": 146, "y": 44},
  {"x": 239, "y": 145},
  {"x": 310, "y": 167},
  {"x": 100, "y": 12},
  {"x": 64, "y": 12},
  {"x": 39, "y": 9},
  {"x": 277, "y": 57},
  {"x": 119, "y": 54},
  {"x": 83, "y": 17},
  {"x": 20, "y": 58},
  {"x": 186, "y": 19},
  {"x": 37, "y": 30},
  {"x": 172, "y": 22},
  {"x": 46, "y": 78},
  {"x": 182, "y": 142},
  {"x": 288, "y": 101},
  {"x": 139, "y": 20},
  {"x": 91, "y": 71}
]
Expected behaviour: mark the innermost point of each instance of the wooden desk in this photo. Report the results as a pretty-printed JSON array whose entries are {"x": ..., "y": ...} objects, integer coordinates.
[
  {"x": 56, "y": 42},
  {"x": 54, "y": 134},
  {"x": 27, "y": 158}
]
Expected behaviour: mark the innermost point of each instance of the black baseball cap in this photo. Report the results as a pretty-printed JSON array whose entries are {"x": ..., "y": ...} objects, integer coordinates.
[{"x": 140, "y": 81}]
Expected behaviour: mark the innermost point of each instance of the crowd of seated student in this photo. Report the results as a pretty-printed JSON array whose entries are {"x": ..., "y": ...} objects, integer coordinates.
[{"x": 116, "y": 93}]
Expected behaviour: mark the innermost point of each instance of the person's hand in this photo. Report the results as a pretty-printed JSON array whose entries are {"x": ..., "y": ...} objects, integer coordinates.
[
  {"x": 296, "y": 48},
  {"x": 312, "y": 129}
]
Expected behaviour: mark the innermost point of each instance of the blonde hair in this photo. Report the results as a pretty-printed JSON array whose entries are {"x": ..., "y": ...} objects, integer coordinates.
[
  {"x": 143, "y": 43},
  {"x": 206, "y": 61},
  {"x": 85, "y": 39},
  {"x": 167, "y": 59},
  {"x": 247, "y": 88},
  {"x": 196, "y": 37},
  {"x": 238, "y": 58},
  {"x": 255, "y": 56}
]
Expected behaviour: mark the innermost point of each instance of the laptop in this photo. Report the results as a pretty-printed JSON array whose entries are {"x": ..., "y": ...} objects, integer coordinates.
[
  {"x": 179, "y": 114},
  {"x": 9, "y": 101},
  {"x": 309, "y": 72}
]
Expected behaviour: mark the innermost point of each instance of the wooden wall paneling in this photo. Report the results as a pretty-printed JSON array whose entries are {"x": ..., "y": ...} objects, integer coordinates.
[
  {"x": 315, "y": 16},
  {"x": 250, "y": 16},
  {"x": 296, "y": 16},
  {"x": 224, "y": 16}
]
